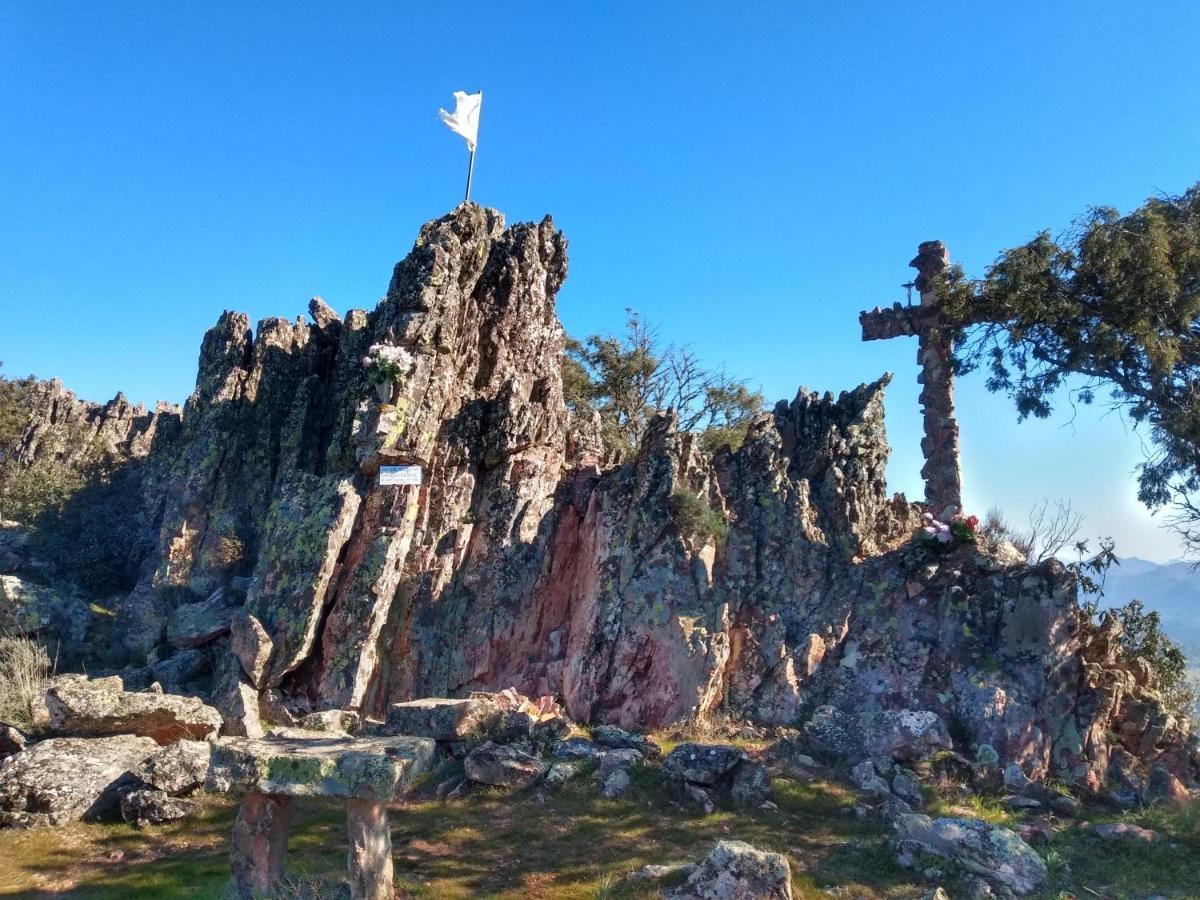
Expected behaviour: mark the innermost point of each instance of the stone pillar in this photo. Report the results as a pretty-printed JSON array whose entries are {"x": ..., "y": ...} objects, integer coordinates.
[
  {"x": 942, "y": 471},
  {"x": 260, "y": 837},
  {"x": 369, "y": 861}
]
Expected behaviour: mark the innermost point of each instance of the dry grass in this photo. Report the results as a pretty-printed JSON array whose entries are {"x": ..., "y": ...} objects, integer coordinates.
[{"x": 24, "y": 674}]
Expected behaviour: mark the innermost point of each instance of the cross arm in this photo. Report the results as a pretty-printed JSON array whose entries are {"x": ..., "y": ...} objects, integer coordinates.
[{"x": 896, "y": 321}]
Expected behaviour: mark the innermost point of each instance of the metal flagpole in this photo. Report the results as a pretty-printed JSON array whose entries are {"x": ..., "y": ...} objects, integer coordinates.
[{"x": 470, "y": 172}]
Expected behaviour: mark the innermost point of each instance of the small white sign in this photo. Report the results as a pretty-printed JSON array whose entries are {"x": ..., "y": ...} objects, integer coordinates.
[{"x": 392, "y": 475}]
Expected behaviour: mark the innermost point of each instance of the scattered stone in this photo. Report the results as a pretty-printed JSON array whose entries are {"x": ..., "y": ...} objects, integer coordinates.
[
  {"x": 620, "y": 739},
  {"x": 1163, "y": 787},
  {"x": 654, "y": 872},
  {"x": 576, "y": 748},
  {"x": 63, "y": 780},
  {"x": 751, "y": 786},
  {"x": 252, "y": 646},
  {"x": 905, "y": 786},
  {"x": 549, "y": 730},
  {"x": 866, "y": 776},
  {"x": 339, "y": 721},
  {"x": 502, "y": 766},
  {"x": 559, "y": 774},
  {"x": 616, "y": 784},
  {"x": 701, "y": 764},
  {"x": 1125, "y": 832},
  {"x": 609, "y": 761},
  {"x": 698, "y": 796},
  {"x": 1016, "y": 802},
  {"x": 443, "y": 719},
  {"x": 93, "y": 707},
  {"x": 1015, "y": 778},
  {"x": 178, "y": 768},
  {"x": 990, "y": 851},
  {"x": 1036, "y": 832},
  {"x": 734, "y": 869},
  {"x": 194, "y": 624},
  {"x": 144, "y": 807}
]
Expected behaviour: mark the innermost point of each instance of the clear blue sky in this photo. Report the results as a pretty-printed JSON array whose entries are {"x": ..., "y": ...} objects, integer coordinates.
[{"x": 749, "y": 176}]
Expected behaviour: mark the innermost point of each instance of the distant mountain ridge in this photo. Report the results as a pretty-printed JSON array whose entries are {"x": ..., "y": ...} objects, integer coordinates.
[{"x": 1171, "y": 589}]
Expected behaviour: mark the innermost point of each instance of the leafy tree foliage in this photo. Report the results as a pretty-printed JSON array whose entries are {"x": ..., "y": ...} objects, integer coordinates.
[
  {"x": 1112, "y": 306},
  {"x": 629, "y": 378}
]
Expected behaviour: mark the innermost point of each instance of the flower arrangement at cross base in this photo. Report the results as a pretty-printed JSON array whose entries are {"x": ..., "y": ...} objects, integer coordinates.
[
  {"x": 385, "y": 366},
  {"x": 961, "y": 529}
]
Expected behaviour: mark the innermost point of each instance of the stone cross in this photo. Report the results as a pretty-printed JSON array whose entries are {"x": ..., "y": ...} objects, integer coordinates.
[{"x": 942, "y": 471}]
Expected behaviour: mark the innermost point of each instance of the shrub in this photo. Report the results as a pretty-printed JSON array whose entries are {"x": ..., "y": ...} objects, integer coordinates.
[
  {"x": 1142, "y": 637},
  {"x": 696, "y": 519},
  {"x": 24, "y": 675}
]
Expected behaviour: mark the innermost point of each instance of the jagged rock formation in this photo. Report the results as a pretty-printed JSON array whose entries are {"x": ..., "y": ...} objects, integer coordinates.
[{"x": 520, "y": 561}]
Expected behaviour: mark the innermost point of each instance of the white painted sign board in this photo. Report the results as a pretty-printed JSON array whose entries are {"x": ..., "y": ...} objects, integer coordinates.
[{"x": 393, "y": 475}]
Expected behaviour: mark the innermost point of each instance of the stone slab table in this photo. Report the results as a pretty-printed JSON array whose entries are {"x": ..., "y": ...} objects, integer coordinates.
[{"x": 367, "y": 773}]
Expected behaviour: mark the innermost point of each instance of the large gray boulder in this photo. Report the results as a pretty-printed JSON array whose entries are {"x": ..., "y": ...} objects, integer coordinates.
[
  {"x": 443, "y": 719},
  {"x": 994, "y": 853},
  {"x": 504, "y": 766},
  {"x": 734, "y": 870},
  {"x": 179, "y": 768},
  {"x": 701, "y": 763},
  {"x": 81, "y": 706},
  {"x": 194, "y": 624},
  {"x": 146, "y": 807},
  {"x": 66, "y": 779}
]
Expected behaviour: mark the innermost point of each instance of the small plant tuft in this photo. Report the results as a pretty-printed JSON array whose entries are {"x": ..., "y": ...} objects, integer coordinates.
[
  {"x": 696, "y": 519},
  {"x": 24, "y": 675}
]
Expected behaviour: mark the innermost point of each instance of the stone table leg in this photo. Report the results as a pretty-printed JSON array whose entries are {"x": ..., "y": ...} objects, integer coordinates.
[
  {"x": 370, "y": 859},
  {"x": 260, "y": 837}
]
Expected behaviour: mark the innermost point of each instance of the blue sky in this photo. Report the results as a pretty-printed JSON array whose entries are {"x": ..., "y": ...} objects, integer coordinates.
[{"x": 749, "y": 176}]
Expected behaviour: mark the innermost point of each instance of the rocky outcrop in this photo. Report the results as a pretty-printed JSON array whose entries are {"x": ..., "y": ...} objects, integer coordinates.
[{"x": 520, "y": 561}]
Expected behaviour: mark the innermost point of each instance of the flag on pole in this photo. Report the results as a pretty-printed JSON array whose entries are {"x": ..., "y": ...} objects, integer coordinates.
[{"x": 465, "y": 118}]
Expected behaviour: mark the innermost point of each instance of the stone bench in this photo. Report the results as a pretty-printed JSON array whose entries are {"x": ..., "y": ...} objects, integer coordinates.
[{"x": 368, "y": 773}]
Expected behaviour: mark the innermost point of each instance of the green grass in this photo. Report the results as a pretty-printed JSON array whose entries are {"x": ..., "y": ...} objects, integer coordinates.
[{"x": 575, "y": 845}]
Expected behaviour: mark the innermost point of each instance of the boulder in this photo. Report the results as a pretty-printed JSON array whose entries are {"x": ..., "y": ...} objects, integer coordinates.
[
  {"x": 576, "y": 748},
  {"x": 906, "y": 787},
  {"x": 194, "y": 624},
  {"x": 997, "y": 854},
  {"x": 236, "y": 699},
  {"x": 78, "y": 705},
  {"x": 503, "y": 766},
  {"x": 701, "y": 763},
  {"x": 179, "y": 768},
  {"x": 63, "y": 780},
  {"x": 146, "y": 807},
  {"x": 252, "y": 646},
  {"x": 751, "y": 786},
  {"x": 616, "y": 784},
  {"x": 1163, "y": 787},
  {"x": 443, "y": 719},
  {"x": 620, "y": 739},
  {"x": 12, "y": 740},
  {"x": 734, "y": 870}
]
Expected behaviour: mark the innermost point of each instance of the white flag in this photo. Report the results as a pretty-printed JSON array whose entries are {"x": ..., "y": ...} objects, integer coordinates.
[{"x": 465, "y": 118}]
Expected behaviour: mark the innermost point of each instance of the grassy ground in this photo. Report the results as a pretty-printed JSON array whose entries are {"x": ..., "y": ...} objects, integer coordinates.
[{"x": 574, "y": 845}]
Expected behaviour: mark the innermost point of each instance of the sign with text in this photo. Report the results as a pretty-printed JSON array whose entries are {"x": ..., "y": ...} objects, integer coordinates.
[{"x": 393, "y": 475}]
